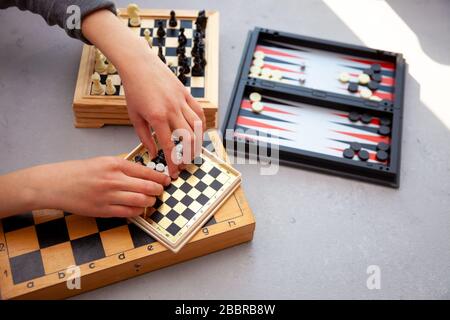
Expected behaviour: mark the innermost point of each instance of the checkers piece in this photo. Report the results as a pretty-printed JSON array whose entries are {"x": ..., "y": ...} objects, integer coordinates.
[
  {"x": 383, "y": 146},
  {"x": 363, "y": 78},
  {"x": 354, "y": 116},
  {"x": 376, "y": 67},
  {"x": 385, "y": 121},
  {"x": 363, "y": 155},
  {"x": 259, "y": 55},
  {"x": 352, "y": 87},
  {"x": 255, "y": 70},
  {"x": 277, "y": 75},
  {"x": 344, "y": 77},
  {"x": 355, "y": 146},
  {"x": 266, "y": 72},
  {"x": 372, "y": 85},
  {"x": 376, "y": 77},
  {"x": 257, "y": 107},
  {"x": 255, "y": 97},
  {"x": 382, "y": 155},
  {"x": 369, "y": 72},
  {"x": 366, "y": 118},
  {"x": 258, "y": 62},
  {"x": 365, "y": 93},
  {"x": 375, "y": 98},
  {"x": 348, "y": 153},
  {"x": 384, "y": 130}
]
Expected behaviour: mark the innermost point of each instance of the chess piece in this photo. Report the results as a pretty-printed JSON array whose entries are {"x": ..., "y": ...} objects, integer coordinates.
[
  {"x": 202, "y": 20},
  {"x": 198, "y": 69},
  {"x": 133, "y": 14},
  {"x": 110, "y": 88},
  {"x": 97, "y": 88},
  {"x": 173, "y": 20},
  {"x": 147, "y": 37},
  {"x": 182, "y": 40},
  {"x": 100, "y": 65},
  {"x": 160, "y": 32},
  {"x": 160, "y": 54},
  {"x": 182, "y": 77},
  {"x": 111, "y": 69},
  {"x": 181, "y": 50}
]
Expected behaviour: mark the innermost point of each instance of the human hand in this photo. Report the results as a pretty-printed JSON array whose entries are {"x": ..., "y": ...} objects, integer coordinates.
[
  {"x": 156, "y": 99},
  {"x": 101, "y": 187}
]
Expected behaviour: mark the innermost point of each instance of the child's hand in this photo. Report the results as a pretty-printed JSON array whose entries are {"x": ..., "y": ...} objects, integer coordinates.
[
  {"x": 155, "y": 97},
  {"x": 101, "y": 187}
]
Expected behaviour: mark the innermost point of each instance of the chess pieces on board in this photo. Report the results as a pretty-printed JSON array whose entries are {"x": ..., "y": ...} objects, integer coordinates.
[
  {"x": 173, "y": 20},
  {"x": 133, "y": 13},
  {"x": 110, "y": 88},
  {"x": 97, "y": 88},
  {"x": 100, "y": 65}
]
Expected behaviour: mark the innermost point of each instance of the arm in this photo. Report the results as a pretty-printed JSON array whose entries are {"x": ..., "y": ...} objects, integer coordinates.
[
  {"x": 155, "y": 97},
  {"x": 100, "y": 187}
]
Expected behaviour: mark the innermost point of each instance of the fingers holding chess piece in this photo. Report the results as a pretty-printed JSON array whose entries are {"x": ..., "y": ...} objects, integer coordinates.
[
  {"x": 133, "y": 14},
  {"x": 97, "y": 88}
]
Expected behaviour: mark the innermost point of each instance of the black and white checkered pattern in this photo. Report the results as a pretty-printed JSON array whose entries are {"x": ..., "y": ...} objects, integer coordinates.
[{"x": 195, "y": 85}]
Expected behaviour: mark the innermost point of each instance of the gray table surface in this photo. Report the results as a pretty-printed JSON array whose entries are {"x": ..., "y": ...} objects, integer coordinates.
[{"x": 316, "y": 234}]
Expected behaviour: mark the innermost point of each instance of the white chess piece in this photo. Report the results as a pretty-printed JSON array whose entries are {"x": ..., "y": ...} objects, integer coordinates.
[
  {"x": 133, "y": 14},
  {"x": 97, "y": 88},
  {"x": 100, "y": 65},
  {"x": 148, "y": 37},
  {"x": 110, "y": 88},
  {"x": 110, "y": 68}
]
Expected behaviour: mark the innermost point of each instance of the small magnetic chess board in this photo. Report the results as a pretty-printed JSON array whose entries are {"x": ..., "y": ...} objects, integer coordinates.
[
  {"x": 188, "y": 202},
  {"x": 95, "y": 111},
  {"x": 39, "y": 249},
  {"x": 324, "y": 105}
]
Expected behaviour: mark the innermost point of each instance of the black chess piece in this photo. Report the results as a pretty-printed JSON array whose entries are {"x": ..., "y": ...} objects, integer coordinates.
[
  {"x": 160, "y": 54},
  {"x": 173, "y": 20},
  {"x": 181, "y": 50},
  {"x": 198, "y": 70},
  {"x": 184, "y": 68},
  {"x": 202, "y": 20},
  {"x": 182, "y": 78},
  {"x": 182, "y": 59},
  {"x": 161, "y": 33},
  {"x": 182, "y": 40}
]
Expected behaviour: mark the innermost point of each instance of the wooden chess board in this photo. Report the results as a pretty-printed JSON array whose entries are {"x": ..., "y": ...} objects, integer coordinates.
[
  {"x": 189, "y": 201},
  {"x": 95, "y": 111},
  {"x": 39, "y": 249}
]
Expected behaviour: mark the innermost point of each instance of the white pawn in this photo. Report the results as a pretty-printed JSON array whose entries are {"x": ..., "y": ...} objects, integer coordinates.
[
  {"x": 100, "y": 65},
  {"x": 110, "y": 88},
  {"x": 110, "y": 68},
  {"x": 148, "y": 37},
  {"x": 97, "y": 88},
  {"x": 133, "y": 13}
]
